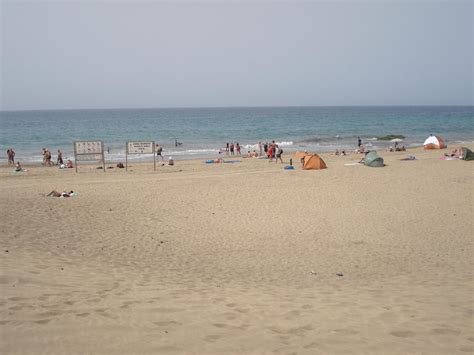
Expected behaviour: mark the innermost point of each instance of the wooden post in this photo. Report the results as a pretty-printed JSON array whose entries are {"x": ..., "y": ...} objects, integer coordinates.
[
  {"x": 154, "y": 156},
  {"x": 126, "y": 156},
  {"x": 75, "y": 156}
]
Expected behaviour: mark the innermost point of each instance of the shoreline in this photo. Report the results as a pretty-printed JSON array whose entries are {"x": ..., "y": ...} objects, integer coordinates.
[{"x": 287, "y": 154}]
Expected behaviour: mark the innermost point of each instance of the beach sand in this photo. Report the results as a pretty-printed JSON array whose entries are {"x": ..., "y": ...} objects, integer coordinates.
[{"x": 240, "y": 258}]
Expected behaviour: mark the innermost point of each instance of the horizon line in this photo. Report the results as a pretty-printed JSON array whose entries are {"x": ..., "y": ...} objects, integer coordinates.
[{"x": 224, "y": 107}]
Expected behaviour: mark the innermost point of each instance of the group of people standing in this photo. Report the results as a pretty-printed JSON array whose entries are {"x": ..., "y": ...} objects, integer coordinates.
[
  {"x": 272, "y": 151},
  {"x": 47, "y": 157},
  {"x": 232, "y": 149}
]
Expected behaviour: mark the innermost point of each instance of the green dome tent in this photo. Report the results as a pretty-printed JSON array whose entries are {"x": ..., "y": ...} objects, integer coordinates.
[
  {"x": 373, "y": 160},
  {"x": 467, "y": 154}
]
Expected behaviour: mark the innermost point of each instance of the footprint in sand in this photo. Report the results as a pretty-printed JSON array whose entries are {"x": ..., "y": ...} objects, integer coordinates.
[
  {"x": 42, "y": 321},
  {"x": 445, "y": 331},
  {"x": 402, "y": 333},
  {"x": 212, "y": 338},
  {"x": 166, "y": 323}
]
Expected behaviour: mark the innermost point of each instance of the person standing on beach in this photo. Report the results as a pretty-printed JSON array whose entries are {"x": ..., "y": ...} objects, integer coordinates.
[
  {"x": 227, "y": 148},
  {"x": 270, "y": 153},
  {"x": 11, "y": 156},
  {"x": 159, "y": 150},
  {"x": 237, "y": 147},
  {"x": 279, "y": 155},
  {"x": 43, "y": 153},
  {"x": 231, "y": 148},
  {"x": 359, "y": 142},
  {"x": 59, "y": 161},
  {"x": 48, "y": 158},
  {"x": 260, "y": 148}
]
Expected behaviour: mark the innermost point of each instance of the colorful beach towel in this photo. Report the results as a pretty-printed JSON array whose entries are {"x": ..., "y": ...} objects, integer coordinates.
[{"x": 448, "y": 158}]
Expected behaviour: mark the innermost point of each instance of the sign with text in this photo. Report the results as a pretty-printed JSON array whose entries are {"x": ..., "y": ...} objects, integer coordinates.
[
  {"x": 89, "y": 151},
  {"x": 89, "y": 147},
  {"x": 140, "y": 147}
]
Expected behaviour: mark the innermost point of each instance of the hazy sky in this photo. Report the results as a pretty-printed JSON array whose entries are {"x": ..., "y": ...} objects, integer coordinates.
[{"x": 91, "y": 54}]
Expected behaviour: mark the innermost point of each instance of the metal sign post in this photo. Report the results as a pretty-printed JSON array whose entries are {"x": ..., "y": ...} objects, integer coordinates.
[
  {"x": 89, "y": 151},
  {"x": 142, "y": 147}
]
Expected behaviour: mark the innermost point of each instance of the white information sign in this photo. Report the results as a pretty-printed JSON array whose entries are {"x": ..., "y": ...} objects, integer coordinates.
[
  {"x": 89, "y": 147},
  {"x": 140, "y": 147},
  {"x": 89, "y": 151}
]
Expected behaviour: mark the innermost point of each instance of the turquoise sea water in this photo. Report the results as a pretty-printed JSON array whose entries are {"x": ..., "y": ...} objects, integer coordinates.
[{"x": 203, "y": 131}]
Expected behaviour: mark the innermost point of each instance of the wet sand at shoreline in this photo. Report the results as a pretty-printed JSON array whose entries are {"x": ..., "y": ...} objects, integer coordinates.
[{"x": 240, "y": 258}]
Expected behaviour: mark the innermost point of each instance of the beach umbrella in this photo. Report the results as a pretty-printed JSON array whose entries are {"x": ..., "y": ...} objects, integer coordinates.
[{"x": 396, "y": 140}]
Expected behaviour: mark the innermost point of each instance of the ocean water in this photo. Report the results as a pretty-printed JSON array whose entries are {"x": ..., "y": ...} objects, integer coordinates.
[{"x": 203, "y": 131}]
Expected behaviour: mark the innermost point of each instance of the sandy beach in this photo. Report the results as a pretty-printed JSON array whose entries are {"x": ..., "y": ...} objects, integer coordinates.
[{"x": 240, "y": 258}]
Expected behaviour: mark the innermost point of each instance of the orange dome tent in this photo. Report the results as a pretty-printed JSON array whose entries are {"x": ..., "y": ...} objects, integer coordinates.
[
  {"x": 434, "y": 142},
  {"x": 310, "y": 161},
  {"x": 313, "y": 162}
]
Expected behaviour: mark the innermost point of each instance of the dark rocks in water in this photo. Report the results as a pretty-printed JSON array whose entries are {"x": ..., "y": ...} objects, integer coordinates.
[{"x": 389, "y": 137}]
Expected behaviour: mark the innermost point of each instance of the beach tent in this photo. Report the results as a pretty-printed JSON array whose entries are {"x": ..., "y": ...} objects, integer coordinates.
[
  {"x": 373, "y": 160},
  {"x": 434, "y": 142},
  {"x": 313, "y": 162},
  {"x": 467, "y": 154}
]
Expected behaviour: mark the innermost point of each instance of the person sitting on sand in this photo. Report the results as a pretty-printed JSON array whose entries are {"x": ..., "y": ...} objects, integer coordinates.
[
  {"x": 120, "y": 165},
  {"x": 337, "y": 152},
  {"x": 54, "y": 193},
  {"x": 69, "y": 164},
  {"x": 456, "y": 153},
  {"x": 18, "y": 167},
  {"x": 170, "y": 161}
]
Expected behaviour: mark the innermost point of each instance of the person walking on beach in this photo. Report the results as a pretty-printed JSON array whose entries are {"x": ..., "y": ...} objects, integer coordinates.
[
  {"x": 59, "y": 161},
  {"x": 159, "y": 150},
  {"x": 279, "y": 155}
]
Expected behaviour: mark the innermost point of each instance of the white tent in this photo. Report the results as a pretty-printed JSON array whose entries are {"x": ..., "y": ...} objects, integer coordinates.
[{"x": 434, "y": 142}]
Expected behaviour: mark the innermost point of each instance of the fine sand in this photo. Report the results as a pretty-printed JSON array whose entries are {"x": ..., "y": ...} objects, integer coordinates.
[{"x": 240, "y": 258}]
